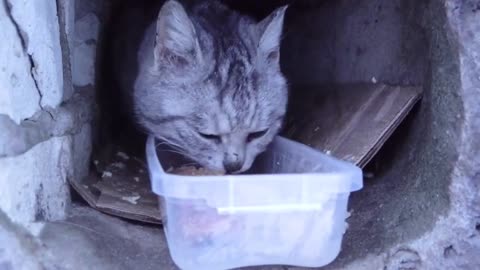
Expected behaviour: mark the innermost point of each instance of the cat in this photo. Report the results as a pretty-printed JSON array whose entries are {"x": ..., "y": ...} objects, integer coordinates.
[{"x": 209, "y": 83}]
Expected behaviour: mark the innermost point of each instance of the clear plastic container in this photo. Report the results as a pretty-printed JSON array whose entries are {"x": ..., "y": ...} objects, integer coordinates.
[{"x": 289, "y": 210}]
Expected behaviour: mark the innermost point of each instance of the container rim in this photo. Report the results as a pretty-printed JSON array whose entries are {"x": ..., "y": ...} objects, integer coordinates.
[{"x": 346, "y": 181}]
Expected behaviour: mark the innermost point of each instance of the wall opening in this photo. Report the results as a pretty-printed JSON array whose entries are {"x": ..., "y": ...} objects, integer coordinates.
[
  {"x": 344, "y": 42},
  {"x": 339, "y": 43},
  {"x": 347, "y": 42}
]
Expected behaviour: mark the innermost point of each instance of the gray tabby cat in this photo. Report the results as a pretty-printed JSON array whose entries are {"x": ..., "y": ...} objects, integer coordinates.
[{"x": 209, "y": 83}]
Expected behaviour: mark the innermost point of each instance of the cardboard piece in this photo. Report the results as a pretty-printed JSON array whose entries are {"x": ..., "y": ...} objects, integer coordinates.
[
  {"x": 350, "y": 122},
  {"x": 119, "y": 185}
]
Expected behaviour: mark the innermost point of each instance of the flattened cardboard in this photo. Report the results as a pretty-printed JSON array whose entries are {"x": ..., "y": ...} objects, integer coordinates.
[
  {"x": 119, "y": 185},
  {"x": 350, "y": 122}
]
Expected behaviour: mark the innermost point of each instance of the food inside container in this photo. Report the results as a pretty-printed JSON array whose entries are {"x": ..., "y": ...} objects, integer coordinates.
[
  {"x": 289, "y": 209},
  {"x": 190, "y": 170}
]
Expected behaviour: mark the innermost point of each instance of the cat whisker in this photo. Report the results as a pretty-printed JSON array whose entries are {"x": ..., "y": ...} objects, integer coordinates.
[
  {"x": 178, "y": 149},
  {"x": 173, "y": 151},
  {"x": 169, "y": 143},
  {"x": 160, "y": 144}
]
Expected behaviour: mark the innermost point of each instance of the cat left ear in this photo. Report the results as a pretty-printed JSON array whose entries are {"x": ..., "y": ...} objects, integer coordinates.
[
  {"x": 176, "y": 41},
  {"x": 271, "y": 33}
]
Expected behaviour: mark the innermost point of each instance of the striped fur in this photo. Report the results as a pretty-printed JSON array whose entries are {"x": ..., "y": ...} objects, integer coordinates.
[{"x": 210, "y": 84}]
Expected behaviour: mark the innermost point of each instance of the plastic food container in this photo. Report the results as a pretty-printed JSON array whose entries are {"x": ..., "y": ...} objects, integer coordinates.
[{"x": 289, "y": 210}]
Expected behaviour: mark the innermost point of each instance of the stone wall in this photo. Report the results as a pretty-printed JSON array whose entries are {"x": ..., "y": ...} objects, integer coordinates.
[
  {"x": 421, "y": 208},
  {"x": 45, "y": 136}
]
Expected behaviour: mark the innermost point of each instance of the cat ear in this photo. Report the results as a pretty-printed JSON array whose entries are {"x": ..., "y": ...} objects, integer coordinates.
[
  {"x": 176, "y": 41},
  {"x": 271, "y": 32}
]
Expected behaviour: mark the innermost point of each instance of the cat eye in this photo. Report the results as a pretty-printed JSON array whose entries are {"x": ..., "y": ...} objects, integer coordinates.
[
  {"x": 210, "y": 137},
  {"x": 256, "y": 135},
  {"x": 273, "y": 56}
]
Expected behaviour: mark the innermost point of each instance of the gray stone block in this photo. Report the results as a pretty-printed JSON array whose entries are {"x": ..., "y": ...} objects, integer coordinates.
[
  {"x": 33, "y": 184},
  {"x": 67, "y": 119},
  {"x": 66, "y": 18},
  {"x": 84, "y": 64},
  {"x": 104, "y": 242},
  {"x": 85, "y": 46},
  {"x": 18, "y": 254},
  {"x": 19, "y": 98},
  {"x": 37, "y": 24},
  {"x": 81, "y": 151}
]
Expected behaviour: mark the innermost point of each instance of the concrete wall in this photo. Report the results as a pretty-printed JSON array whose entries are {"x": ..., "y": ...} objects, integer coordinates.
[
  {"x": 46, "y": 111},
  {"x": 44, "y": 123},
  {"x": 354, "y": 41},
  {"x": 419, "y": 211}
]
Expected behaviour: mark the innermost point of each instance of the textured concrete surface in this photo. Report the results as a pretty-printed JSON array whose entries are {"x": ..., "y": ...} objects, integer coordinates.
[
  {"x": 421, "y": 211},
  {"x": 108, "y": 243},
  {"x": 34, "y": 184},
  {"x": 36, "y": 23},
  {"x": 88, "y": 24},
  {"x": 87, "y": 239},
  {"x": 39, "y": 137},
  {"x": 354, "y": 41},
  {"x": 66, "y": 19},
  {"x": 104, "y": 242},
  {"x": 67, "y": 119},
  {"x": 19, "y": 98},
  {"x": 21, "y": 249},
  {"x": 81, "y": 151},
  {"x": 388, "y": 41},
  {"x": 85, "y": 46}
]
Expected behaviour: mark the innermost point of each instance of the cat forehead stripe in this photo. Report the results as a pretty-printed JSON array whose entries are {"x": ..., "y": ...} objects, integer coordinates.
[{"x": 158, "y": 120}]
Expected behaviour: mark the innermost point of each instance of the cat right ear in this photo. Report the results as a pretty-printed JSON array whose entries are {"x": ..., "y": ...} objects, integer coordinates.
[
  {"x": 176, "y": 41},
  {"x": 271, "y": 32}
]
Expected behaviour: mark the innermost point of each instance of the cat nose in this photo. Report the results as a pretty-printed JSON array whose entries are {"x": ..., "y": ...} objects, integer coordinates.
[{"x": 232, "y": 167}]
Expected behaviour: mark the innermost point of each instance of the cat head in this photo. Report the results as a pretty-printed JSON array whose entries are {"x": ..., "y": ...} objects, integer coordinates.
[{"x": 213, "y": 88}]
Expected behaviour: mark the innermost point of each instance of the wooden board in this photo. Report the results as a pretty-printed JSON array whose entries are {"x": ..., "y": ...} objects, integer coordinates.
[{"x": 350, "y": 122}]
